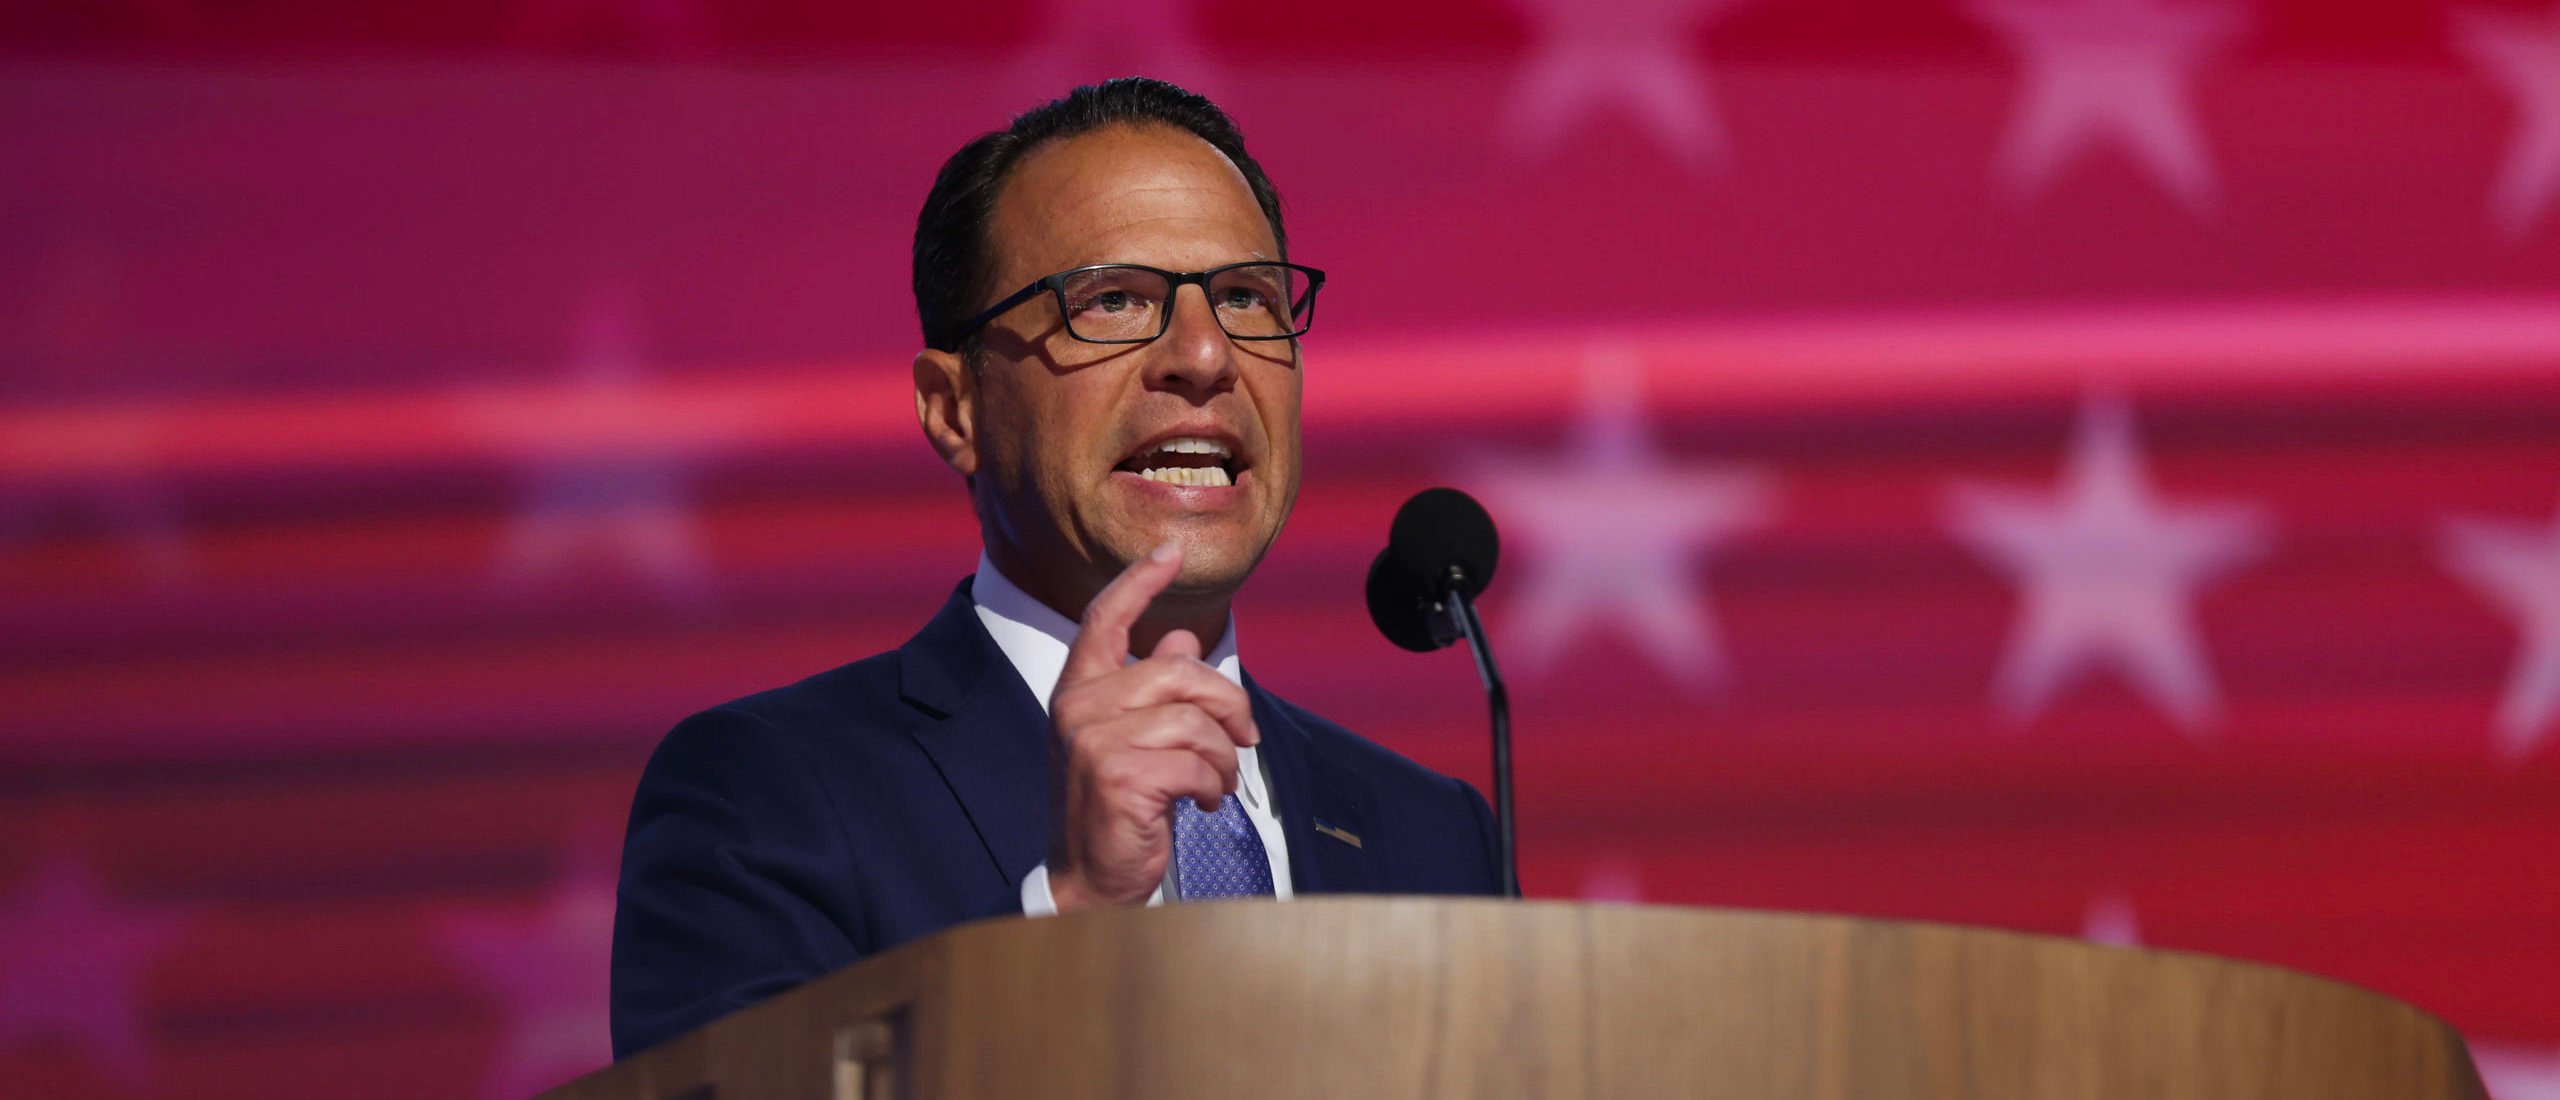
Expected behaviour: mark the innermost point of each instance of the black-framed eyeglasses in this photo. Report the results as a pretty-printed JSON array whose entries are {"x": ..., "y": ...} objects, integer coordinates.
[{"x": 1133, "y": 303}]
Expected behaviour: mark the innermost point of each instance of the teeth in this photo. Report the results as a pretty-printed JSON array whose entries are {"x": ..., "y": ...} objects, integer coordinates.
[
  {"x": 1184, "y": 475},
  {"x": 1193, "y": 447}
]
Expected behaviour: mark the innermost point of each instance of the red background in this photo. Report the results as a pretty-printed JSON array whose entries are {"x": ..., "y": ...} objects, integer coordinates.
[{"x": 411, "y": 409}]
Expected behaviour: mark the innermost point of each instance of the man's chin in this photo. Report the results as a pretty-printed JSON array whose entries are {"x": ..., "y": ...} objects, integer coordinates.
[
  {"x": 1220, "y": 576},
  {"x": 1223, "y": 530},
  {"x": 1216, "y": 558}
]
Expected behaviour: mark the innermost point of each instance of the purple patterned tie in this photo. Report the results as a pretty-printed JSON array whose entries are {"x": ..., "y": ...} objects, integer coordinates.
[{"x": 1218, "y": 855}]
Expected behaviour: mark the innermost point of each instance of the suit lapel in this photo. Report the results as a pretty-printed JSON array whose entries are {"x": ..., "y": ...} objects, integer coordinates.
[
  {"x": 1334, "y": 843},
  {"x": 992, "y": 744}
]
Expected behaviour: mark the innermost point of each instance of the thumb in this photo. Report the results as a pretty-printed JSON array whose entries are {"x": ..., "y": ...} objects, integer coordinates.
[{"x": 1179, "y": 643}]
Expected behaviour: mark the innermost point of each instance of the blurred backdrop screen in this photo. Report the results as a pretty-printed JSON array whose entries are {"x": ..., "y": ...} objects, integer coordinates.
[{"x": 2082, "y": 466}]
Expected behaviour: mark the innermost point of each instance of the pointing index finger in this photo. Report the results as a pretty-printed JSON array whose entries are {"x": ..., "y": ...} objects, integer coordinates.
[{"x": 1102, "y": 640}]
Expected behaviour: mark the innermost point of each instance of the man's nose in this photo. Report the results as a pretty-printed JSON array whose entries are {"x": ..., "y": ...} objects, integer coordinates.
[{"x": 1194, "y": 354}]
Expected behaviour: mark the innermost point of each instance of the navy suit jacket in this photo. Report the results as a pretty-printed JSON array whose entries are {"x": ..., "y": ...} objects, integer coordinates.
[{"x": 789, "y": 834}]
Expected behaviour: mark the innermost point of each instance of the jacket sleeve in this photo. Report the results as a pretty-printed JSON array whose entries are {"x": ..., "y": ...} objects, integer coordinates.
[{"x": 733, "y": 880}]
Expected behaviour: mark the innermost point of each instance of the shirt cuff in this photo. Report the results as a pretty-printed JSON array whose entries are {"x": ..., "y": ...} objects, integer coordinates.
[{"x": 1036, "y": 901}]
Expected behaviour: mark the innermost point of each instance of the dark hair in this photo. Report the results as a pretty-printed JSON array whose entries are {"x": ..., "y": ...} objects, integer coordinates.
[{"x": 952, "y": 264}]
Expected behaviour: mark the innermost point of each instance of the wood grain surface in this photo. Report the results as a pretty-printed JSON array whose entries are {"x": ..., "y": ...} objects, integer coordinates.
[{"x": 1417, "y": 997}]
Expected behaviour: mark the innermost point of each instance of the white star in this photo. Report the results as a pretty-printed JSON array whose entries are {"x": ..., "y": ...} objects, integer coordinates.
[
  {"x": 2117, "y": 70},
  {"x": 2517, "y": 1072},
  {"x": 603, "y": 471},
  {"x": 2522, "y": 53},
  {"x": 1622, "y": 53},
  {"x": 2111, "y": 920},
  {"x": 549, "y": 969},
  {"x": 1089, "y": 41},
  {"x": 2518, "y": 566},
  {"x": 71, "y": 967},
  {"x": 2109, "y": 572},
  {"x": 1608, "y": 530}
]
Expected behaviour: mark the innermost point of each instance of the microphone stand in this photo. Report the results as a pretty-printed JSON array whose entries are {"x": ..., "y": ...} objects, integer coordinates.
[{"x": 1497, "y": 699}]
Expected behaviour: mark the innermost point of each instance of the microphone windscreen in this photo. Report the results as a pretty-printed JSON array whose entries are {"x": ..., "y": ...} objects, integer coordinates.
[
  {"x": 1439, "y": 528},
  {"x": 1399, "y": 606}
]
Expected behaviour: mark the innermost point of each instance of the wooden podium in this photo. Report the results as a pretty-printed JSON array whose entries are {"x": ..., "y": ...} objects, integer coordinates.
[{"x": 1342, "y": 997}]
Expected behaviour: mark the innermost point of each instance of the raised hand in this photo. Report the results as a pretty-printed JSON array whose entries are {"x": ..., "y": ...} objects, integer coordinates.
[{"x": 1132, "y": 737}]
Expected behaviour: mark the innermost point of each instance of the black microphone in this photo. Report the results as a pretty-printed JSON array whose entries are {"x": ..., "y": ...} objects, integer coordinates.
[
  {"x": 1441, "y": 541},
  {"x": 1441, "y": 553}
]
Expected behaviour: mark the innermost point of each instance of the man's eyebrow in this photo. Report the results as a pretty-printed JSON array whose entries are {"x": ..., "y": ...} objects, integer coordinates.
[{"x": 1251, "y": 256}]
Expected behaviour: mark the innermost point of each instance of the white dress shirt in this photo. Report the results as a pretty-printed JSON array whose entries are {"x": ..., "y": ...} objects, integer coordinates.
[{"x": 1036, "y": 638}]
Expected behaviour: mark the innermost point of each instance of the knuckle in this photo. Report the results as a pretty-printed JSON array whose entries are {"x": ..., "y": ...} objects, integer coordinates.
[
  {"x": 1089, "y": 744},
  {"x": 1067, "y": 703},
  {"x": 1083, "y": 704},
  {"x": 1116, "y": 772},
  {"x": 1112, "y": 773}
]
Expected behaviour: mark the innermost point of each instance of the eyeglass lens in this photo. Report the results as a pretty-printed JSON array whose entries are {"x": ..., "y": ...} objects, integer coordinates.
[{"x": 1129, "y": 303}]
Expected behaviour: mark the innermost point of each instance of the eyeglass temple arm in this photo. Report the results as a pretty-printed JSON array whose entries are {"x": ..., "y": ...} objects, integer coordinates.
[{"x": 997, "y": 310}]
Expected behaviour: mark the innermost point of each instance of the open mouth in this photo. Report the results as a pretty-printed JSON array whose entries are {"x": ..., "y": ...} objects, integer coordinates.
[{"x": 1185, "y": 460}]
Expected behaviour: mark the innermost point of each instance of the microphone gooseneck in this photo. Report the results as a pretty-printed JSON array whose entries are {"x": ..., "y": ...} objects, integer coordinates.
[{"x": 1441, "y": 553}]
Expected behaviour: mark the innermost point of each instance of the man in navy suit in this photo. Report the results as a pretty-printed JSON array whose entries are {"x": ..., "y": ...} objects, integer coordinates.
[{"x": 1112, "y": 365}]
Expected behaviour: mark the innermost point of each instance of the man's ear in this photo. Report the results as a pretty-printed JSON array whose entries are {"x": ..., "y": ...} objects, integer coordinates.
[{"x": 947, "y": 408}]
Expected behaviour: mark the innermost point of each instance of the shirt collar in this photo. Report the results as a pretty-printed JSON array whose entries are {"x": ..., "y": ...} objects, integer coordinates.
[{"x": 1035, "y": 636}]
